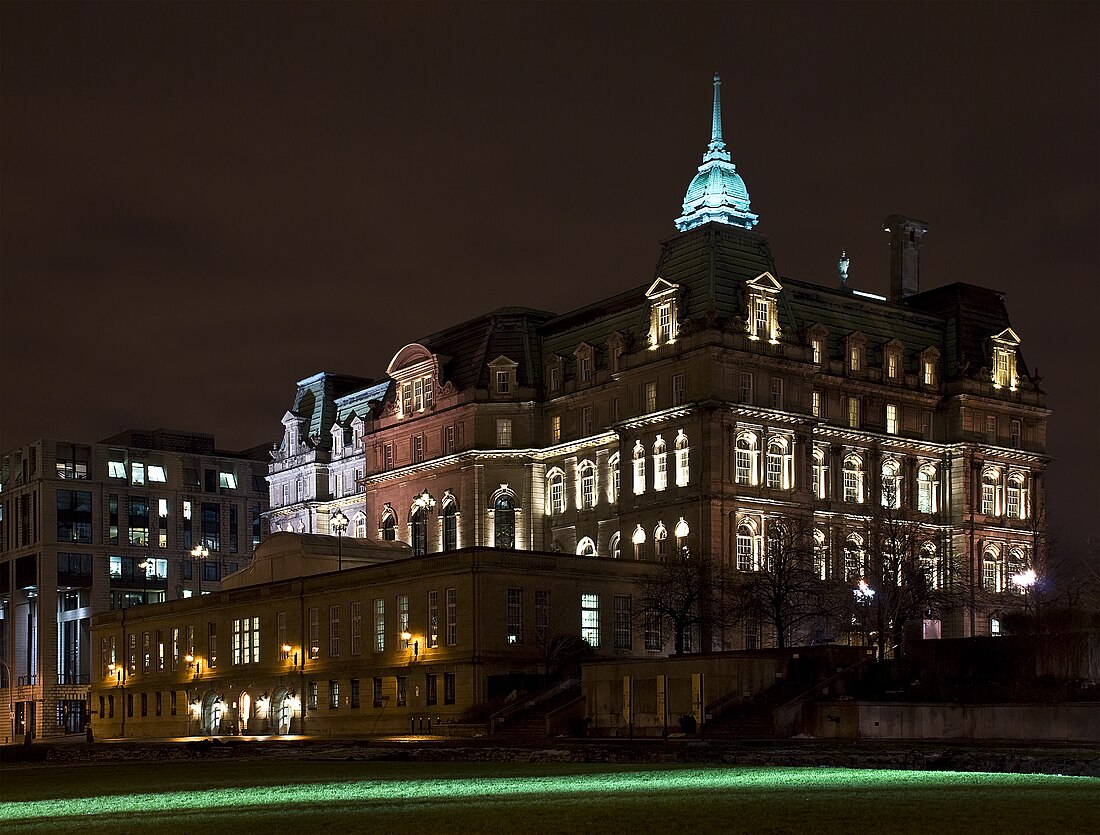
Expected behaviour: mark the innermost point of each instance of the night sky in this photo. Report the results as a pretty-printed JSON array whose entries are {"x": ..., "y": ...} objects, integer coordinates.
[{"x": 204, "y": 203}]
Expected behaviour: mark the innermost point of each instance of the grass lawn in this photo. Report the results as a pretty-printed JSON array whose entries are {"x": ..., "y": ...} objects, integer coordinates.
[{"x": 308, "y": 796}]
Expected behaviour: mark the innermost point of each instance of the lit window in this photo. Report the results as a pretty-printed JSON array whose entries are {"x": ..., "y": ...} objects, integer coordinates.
[
  {"x": 504, "y": 383},
  {"x": 664, "y": 322},
  {"x": 746, "y": 540},
  {"x": 993, "y": 573},
  {"x": 746, "y": 455},
  {"x": 816, "y": 404},
  {"x": 638, "y": 540},
  {"x": 504, "y": 432},
  {"x": 613, "y": 546},
  {"x": 660, "y": 541},
  {"x": 590, "y": 619},
  {"x": 929, "y": 372},
  {"x": 639, "y": 468},
  {"x": 1004, "y": 368},
  {"x": 681, "y": 459},
  {"x": 891, "y": 419},
  {"x": 821, "y": 555},
  {"x": 660, "y": 465},
  {"x": 379, "y": 624},
  {"x": 227, "y": 480},
  {"x": 137, "y": 473},
  {"x": 555, "y": 429},
  {"x": 855, "y": 357},
  {"x": 930, "y": 565},
  {"x": 818, "y": 348},
  {"x": 991, "y": 492},
  {"x": 556, "y": 483},
  {"x": 651, "y": 397},
  {"x": 760, "y": 319},
  {"x": 853, "y": 412},
  {"x": 927, "y": 489},
  {"x": 778, "y": 464},
  {"x": 157, "y": 474},
  {"x": 1017, "y": 497},
  {"x": 681, "y": 532},
  {"x": 821, "y": 473},
  {"x": 853, "y": 479},
  {"x": 892, "y": 366},
  {"x": 613, "y": 478},
  {"x": 586, "y": 547},
  {"x": 116, "y": 469},
  {"x": 587, "y": 472},
  {"x": 891, "y": 485},
  {"x": 853, "y": 558}
]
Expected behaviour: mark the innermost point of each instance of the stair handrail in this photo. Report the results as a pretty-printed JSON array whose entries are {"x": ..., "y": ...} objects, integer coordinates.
[{"x": 522, "y": 705}]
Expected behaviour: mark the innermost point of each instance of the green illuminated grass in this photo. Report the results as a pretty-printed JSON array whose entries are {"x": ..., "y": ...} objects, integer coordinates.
[{"x": 265, "y": 796}]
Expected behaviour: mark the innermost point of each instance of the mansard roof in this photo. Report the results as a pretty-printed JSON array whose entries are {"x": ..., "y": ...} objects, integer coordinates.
[{"x": 315, "y": 400}]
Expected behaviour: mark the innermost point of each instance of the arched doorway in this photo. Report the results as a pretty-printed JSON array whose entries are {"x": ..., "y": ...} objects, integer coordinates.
[
  {"x": 244, "y": 712},
  {"x": 281, "y": 711},
  {"x": 212, "y": 710}
]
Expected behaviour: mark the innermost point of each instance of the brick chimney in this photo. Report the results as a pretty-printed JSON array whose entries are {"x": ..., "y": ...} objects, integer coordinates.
[{"x": 905, "y": 241}]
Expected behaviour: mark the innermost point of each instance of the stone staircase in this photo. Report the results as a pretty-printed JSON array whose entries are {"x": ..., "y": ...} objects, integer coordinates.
[{"x": 531, "y": 718}]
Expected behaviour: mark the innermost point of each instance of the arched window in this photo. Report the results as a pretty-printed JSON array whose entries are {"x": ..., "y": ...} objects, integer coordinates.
[
  {"x": 681, "y": 459},
  {"x": 747, "y": 546},
  {"x": 928, "y": 489},
  {"x": 991, "y": 491},
  {"x": 821, "y": 473},
  {"x": 1017, "y": 496},
  {"x": 853, "y": 479},
  {"x": 638, "y": 538},
  {"x": 993, "y": 573},
  {"x": 614, "y": 546},
  {"x": 586, "y": 547},
  {"x": 746, "y": 455},
  {"x": 555, "y": 481},
  {"x": 660, "y": 465},
  {"x": 780, "y": 464},
  {"x": 613, "y": 478},
  {"x": 660, "y": 541},
  {"x": 821, "y": 555},
  {"x": 389, "y": 524},
  {"x": 930, "y": 565},
  {"x": 504, "y": 522},
  {"x": 681, "y": 532},
  {"x": 450, "y": 525},
  {"x": 891, "y": 484},
  {"x": 853, "y": 558},
  {"x": 775, "y": 546},
  {"x": 587, "y": 474},
  {"x": 639, "y": 468},
  {"x": 419, "y": 526},
  {"x": 360, "y": 524}
]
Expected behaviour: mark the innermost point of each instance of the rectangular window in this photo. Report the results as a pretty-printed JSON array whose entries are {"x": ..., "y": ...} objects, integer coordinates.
[
  {"x": 664, "y": 322},
  {"x": 760, "y": 318},
  {"x": 590, "y": 619},
  {"x": 402, "y": 613},
  {"x": 356, "y": 627},
  {"x": 333, "y": 694},
  {"x": 892, "y": 366},
  {"x": 156, "y": 473},
  {"x": 504, "y": 384},
  {"x": 379, "y": 625},
  {"x": 746, "y": 387},
  {"x": 818, "y": 348},
  {"x": 542, "y": 613},
  {"x": 653, "y": 641},
  {"x": 160, "y": 651},
  {"x": 280, "y": 634},
  {"x": 1017, "y": 434},
  {"x": 452, "y": 617},
  {"x": 929, "y": 373},
  {"x": 174, "y": 637},
  {"x": 855, "y": 358},
  {"x": 417, "y": 448},
  {"x": 376, "y": 698},
  {"x": 137, "y": 473},
  {"x": 586, "y": 368},
  {"x": 853, "y": 412},
  {"x": 555, "y": 378},
  {"x": 354, "y": 693},
  {"x": 514, "y": 617},
  {"x": 651, "y": 397},
  {"x": 232, "y": 529},
  {"x": 146, "y": 652},
  {"x": 402, "y": 691},
  {"x": 112, "y": 519},
  {"x": 314, "y": 632},
  {"x": 144, "y": 704},
  {"x": 212, "y": 644},
  {"x": 622, "y": 621},
  {"x": 677, "y": 389},
  {"x": 555, "y": 429},
  {"x": 991, "y": 429},
  {"x": 138, "y": 522},
  {"x": 586, "y": 421},
  {"x": 74, "y": 516},
  {"x": 430, "y": 689},
  {"x": 211, "y": 526},
  {"x": 448, "y": 439},
  {"x": 333, "y": 631},
  {"x": 227, "y": 481},
  {"x": 891, "y": 419},
  {"x": 172, "y": 702},
  {"x": 816, "y": 404},
  {"x": 311, "y": 695},
  {"x": 504, "y": 432},
  {"x": 448, "y": 688},
  {"x": 387, "y": 456},
  {"x": 116, "y": 469},
  {"x": 926, "y": 425},
  {"x": 989, "y": 499},
  {"x": 777, "y": 393},
  {"x": 433, "y": 619}
]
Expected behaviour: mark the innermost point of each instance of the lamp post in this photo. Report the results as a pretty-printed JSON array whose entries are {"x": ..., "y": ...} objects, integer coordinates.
[
  {"x": 339, "y": 523},
  {"x": 119, "y": 672},
  {"x": 199, "y": 554},
  {"x": 1025, "y": 581},
  {"x": 11, "y": 697},
  {"x": 864, "y": 594}
]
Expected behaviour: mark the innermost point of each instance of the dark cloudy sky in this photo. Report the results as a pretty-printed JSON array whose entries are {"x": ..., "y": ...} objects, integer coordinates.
[{"x": 203, "y": 203}]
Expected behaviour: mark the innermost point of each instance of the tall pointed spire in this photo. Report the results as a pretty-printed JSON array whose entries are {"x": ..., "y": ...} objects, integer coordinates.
[{"x": 717, "y": 193}]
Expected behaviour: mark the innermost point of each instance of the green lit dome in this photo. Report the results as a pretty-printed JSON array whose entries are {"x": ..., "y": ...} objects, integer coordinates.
[{"x": 717, "y": 192}]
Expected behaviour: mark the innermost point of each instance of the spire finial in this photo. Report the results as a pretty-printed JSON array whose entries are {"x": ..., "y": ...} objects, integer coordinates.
[
  {"x": 842, "y": 264},
  {"x": 716, "y": 143}
]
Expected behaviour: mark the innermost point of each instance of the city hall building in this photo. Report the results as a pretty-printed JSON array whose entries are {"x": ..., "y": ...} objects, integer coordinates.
[{"x": 698, "y": 408}]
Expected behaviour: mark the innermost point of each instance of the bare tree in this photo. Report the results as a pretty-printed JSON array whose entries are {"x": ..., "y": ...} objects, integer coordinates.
[{"x": 686, "y": 593}]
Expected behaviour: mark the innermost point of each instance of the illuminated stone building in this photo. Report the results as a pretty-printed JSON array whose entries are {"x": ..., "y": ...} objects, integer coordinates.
[
  {"x": 697, "y": 409},
  {"x": 87, "y": 528}
]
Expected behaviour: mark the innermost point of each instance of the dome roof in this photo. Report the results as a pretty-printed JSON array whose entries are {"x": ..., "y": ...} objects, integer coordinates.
[{"x": 717, "y": 192}]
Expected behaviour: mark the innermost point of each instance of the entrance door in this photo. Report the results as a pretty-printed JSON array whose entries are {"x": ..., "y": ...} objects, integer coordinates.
[{"x": 280, "y": 712}]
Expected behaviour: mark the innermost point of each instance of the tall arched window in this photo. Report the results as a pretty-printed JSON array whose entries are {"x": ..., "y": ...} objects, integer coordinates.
[
  {"x": 930, "y": 565},
  {"x": 821, "y": 473},
  {"x": 555, "y": 481},
  {"x": 853, "y": 558},
  {"x": 991, "y": 491},
  {"x": 660, "y": 541},
  {"x": 853, "y": 479},
  {"x": 928, "y": 489},
  {"x": 450, "y": 526},
  {"x": 389, "y": 525},
  {"x": 821, "y": 555},
  {"x": 639, "y": 468},
  {"x": 638, "y": 539},
  {"x": 504, "y": 522},
  {"x": 587, "y": 473},
  {"x": 419, "y": 525},
  {"x": 613, "y": 478},
  {"x": 360, "y": 524},
  {"x": 681, "y": 532},
  {"x": 993, "y": 573},
  {"x": 660, "y": 465},
  {"x": 891, "y": 484},
  {"x": 586, "y": 547},
  {"x": 780, "y": 464},
  {"x": 614, "y": 546},
  {"x": 681, "y": 459},
  {"x": 1016, "y": 506},
  {"x": 746, "y": 455},
  {"x": 746, "y": 545}
]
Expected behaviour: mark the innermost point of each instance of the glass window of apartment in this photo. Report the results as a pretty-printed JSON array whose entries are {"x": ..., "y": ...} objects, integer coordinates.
[
  {"x": 1017, "y": 434},
  {"x": 651, "y": 397},
  {"x": 622, "y": 621},
  {"x": 116, "y": 469},
  {"x": 590, "y": 619},
  {"x": 376, "y": 697},
  {"x": 74, "y": 516},
  {"x": 314, "y": 632},
  {"x": 162, "y": 523},
  {"x": 156, "y": 473},
  {"x": 586, "y": 368},
  {"x": 452, "y": 617},
  {"x": 379, "y": 625},
  {"x": 356, "y": 627},
  {"x": 504, "y": 432},
  {"x": 333, "y": 694},
  {"x": 746, "y": 387},
  {"x": 817, "y": 346},
  {"x": 137, "y": 473},
  {"x": 433, "y": 619},
  {"x": 588, "y": 484},
  {"x": 891, "y": 419},
  {"x": 227, "y": 481},
  {"x": 639, "y": 468},
  {"x": 450, "y": 526},
  {"x": 211, "y": 526},
  {"x": 542, "y": 613},
  {"x": 402, "y": 691},
  {"x": 233, "y": 529},
  {"x": 853, "y": 479},
  {"x": 419, "y": 526},
  {"x": 448, "y": 688},
  {"x": 333, "y": 631},
  {"x": 514, "y": 616},
  {"x": 139, "y": 521},
  {"x": 112, "y": 519},
  {"x": 991, "y": 429}
]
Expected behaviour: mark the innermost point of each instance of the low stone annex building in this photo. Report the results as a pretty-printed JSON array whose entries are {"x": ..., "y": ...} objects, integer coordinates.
[{"x": 332, "y": 637}]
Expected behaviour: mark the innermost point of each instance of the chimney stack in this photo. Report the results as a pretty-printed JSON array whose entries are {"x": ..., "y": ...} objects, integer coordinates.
[{"x": 905, "y": 241}]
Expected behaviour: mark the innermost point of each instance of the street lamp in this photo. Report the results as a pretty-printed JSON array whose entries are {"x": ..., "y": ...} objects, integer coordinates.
[
  {"x": 1025, "y": 581},
  {"x": 11, "y": 696},
  {"x": 199, "y": 553},
  {"x": 119, "y": 672},
  {"x": 339, "y": 522},
  {"x": 864, "y": 594}
]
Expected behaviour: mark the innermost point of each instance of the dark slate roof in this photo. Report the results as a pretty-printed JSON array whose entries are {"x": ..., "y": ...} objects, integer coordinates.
[
  {"x": 360, "y": 403},
  {"x": 315, "y": 400}
]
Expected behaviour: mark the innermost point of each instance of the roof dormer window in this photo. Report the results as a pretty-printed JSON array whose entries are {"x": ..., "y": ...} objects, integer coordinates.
[
  {"x": 502, "y": 377},
  {"x": 763, "y": 308},
  {"x": 664, "y": 313},
  {"x": 1005, "y": 345}
]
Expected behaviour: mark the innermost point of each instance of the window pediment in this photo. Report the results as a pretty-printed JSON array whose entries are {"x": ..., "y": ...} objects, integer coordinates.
[{"x": 765, "y": 282}]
